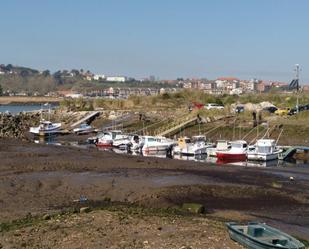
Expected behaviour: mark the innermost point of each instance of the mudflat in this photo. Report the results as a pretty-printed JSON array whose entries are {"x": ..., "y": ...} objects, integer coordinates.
[{"x": 40, "y": 179}]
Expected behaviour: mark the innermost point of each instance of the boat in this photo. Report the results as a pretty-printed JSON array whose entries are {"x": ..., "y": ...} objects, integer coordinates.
[
  {"x": 256, "y": 235},
  {"x": 45, "y": 128},
  {"x": 83, "y": 128},
  {"x": 221, "y": 145},
  {"x": 237, "y": 152},
  {"x": 135, "y": 143},
  {"x": 152, "y": 143},
  {"x": 106, "y": 139},
  {"x": 264, "y": 150},
  {"x": 198, "y": 146}
]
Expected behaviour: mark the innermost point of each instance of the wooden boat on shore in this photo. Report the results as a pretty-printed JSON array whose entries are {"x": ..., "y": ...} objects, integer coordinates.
[{"x": 261, "y": 236}]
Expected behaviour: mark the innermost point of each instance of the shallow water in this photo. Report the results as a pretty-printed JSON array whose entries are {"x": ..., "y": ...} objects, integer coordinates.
[{"x": 13, "y": 109}]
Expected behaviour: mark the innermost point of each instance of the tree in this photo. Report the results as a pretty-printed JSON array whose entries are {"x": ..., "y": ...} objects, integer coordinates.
[
  {"x": 46, "y": 73},
  {"x": 1, "y": 91},
  {"x": 57, "y": 76},
  {"x": 9, "y": 67},
  {"x": 24, "y": 73}
]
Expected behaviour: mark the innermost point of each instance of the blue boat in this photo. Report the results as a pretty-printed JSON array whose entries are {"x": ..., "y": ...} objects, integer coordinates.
[{"x": 260, "y": 236}]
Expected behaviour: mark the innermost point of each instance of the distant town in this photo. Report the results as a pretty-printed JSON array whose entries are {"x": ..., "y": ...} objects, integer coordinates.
[{"x": 22, "y": 81}]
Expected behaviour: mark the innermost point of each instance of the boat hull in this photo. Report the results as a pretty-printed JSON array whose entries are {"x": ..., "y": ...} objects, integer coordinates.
[
  {"x": 262, "y": 157},
  {"x": 224, "y": 156},
  {"x": 104, "y": 145}
]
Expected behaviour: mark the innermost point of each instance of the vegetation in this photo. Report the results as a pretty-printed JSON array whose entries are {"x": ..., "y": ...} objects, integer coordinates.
[{"x": 21, "y": 79}]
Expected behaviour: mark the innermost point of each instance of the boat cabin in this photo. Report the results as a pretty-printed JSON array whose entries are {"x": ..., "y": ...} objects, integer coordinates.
[
  {"x": 199, "y": 138},
  {"x": 239, "y": 144},
  {"x": 183, "y": 141},
  {"x": 223, "y": 145},
  {"x": 265, "y": 145}
]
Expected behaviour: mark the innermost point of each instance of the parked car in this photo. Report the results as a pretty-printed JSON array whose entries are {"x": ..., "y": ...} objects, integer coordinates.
[
  {"x": 300, "y": 108},
  {"x": 210, "y": 106},
  {"x": 239, "y": 109},
  {"x": 270, "y": 109},
  {"x": 282, "y": 111}
]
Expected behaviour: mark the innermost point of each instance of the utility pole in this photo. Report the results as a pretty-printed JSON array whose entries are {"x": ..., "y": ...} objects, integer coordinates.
[{"x": 297, "y": 70}]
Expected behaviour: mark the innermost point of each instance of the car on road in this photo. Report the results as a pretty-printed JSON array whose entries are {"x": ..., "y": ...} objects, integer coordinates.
[
  {"x": 211, "y": 106},
  {"x": 293, "y": 111},
  {"x": 282, "y": 111},
  {"x": 239, "y": 109},
  {"x": 270, "y": 109}
]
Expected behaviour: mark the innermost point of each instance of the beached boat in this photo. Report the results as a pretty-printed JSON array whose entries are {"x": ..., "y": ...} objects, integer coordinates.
[
  {"x": 261, "y": 236},
  {"x": 264, "y": 150},
  {"x": 221, "y": 145},
  {"x": 45, "y": 128},
  {"x": 237, "y": 152},
  {"x": 151, "y": 143},
  {"x": 106, "y": 139},
  {"x": 83, "y": 128},
  {"x": 198, "y": 146}
]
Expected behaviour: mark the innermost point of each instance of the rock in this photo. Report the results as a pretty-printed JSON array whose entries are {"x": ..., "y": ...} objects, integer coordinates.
[
  {"x": 46, "y": 217},
  {"x": 85, "y": 210},
  {"x": 195, "y": 208},
  {"x": 107, "y": 199}
]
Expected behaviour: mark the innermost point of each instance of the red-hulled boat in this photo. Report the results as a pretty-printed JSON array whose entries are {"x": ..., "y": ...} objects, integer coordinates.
[{"x": 237, "y": 152}]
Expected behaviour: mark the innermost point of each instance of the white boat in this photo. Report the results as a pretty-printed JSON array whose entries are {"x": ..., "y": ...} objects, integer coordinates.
[
  {"x": 198, "y": 146},
  {"x": 45, "y": 128},
  {"x": 264, "y": 150},
  {"x": 83, "y": 128},
  {"x": 135, "y": 143},
  {"x": 222, "y": 145},
  {"x": 151, "y": 143},
  {"x": 108, "y": 139}
]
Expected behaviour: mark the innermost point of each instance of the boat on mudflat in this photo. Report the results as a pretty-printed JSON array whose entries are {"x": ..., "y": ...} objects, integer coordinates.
[
  {"x": 237, "y": 152},
  {"x": 83, "y": 128},
  {"x": 260, "y": 236},
  {"x": 45, "y": 128},
  {"x": 221, "y": 145},
  {"x": 264, "y": 150},
  {"x": 106, "y": 139},
  {"x": 198, "y": 146},
  {"x": 151, "y": 144}
]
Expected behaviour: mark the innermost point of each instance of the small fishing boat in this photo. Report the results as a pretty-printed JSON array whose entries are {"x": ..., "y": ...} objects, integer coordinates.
[
  {"x": 264, "y": 150},
  {"x": 237, "y": 152},
  {"x": 221, "y": 145},
  {"x": 106, "y": 139},
  {"x": 83, "y": 128},
  {"x": 198, "y": 146},
  {"x": 45, "y": 128},
  {"x": 261, "y": 236},
  {"x": 151, "y": 143}
]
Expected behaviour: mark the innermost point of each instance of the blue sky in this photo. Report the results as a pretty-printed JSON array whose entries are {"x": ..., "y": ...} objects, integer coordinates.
[{"x": 165, "y": 38}]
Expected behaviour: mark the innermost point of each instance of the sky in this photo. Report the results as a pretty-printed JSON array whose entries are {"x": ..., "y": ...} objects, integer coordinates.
[{"x": 261, "y": 39}]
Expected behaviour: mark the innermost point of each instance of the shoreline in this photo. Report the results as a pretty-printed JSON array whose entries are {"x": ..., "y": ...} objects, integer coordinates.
[{"x": 22, "y": 100}]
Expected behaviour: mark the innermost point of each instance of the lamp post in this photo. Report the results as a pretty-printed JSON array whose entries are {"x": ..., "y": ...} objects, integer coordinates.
[{"x": 297, "y": 70}]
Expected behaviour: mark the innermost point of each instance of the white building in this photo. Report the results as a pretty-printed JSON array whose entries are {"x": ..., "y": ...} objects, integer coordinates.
[
  {"x": 99, "y": 77},
  {"x": 74, "y": 95},
  {"x": 116, "y": 79}
]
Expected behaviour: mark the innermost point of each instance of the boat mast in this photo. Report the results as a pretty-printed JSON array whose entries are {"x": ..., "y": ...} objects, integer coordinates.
[{"x": 297, "y": 69}]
